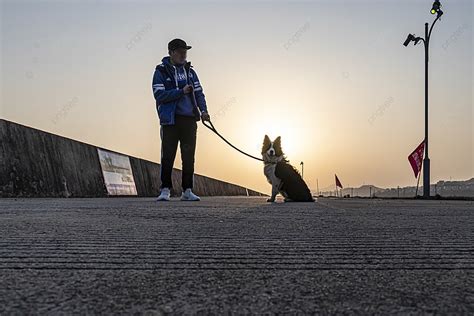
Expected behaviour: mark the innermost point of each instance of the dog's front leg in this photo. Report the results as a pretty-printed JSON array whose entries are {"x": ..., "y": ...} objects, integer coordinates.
[{"x": 274, "y": 193}]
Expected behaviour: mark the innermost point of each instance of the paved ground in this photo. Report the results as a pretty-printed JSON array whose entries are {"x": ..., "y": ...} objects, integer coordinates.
[{"x": 236, "y": 255}]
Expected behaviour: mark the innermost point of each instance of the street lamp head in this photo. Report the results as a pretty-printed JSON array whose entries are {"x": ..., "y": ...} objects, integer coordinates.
[
  {"x": 410, "y": 38},
  {"x": 436, "y": 8}
]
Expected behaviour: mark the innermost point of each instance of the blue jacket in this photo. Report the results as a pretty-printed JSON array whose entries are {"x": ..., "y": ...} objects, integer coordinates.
[{"x": 167, "y": 85}]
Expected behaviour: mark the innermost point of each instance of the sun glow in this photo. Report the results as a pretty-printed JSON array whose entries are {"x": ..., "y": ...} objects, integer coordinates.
[{"x": 291, "y": 140}]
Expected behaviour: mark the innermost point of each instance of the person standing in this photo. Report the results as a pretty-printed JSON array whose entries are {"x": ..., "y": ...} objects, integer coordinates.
[{"x": 180, "y": 103}]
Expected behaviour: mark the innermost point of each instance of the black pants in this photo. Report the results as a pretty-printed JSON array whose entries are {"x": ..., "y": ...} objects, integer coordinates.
[{"x": 184, "y": 132}]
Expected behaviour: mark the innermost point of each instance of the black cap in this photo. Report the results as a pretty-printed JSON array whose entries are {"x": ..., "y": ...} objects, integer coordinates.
[{"x": 177, "y": 43}]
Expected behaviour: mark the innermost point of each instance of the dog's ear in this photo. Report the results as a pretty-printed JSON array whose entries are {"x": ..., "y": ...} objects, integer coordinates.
[
  {"x": 277, "y": 146},
  {"x": 266, "y": 144}
]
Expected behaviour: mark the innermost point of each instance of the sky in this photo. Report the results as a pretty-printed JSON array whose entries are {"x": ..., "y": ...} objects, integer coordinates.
[{"x": 332, "y": 78}]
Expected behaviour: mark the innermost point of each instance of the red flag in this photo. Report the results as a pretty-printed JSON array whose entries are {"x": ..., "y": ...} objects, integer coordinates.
[
  {"x": 416, "y": 158},
  {"x": 338, "y": 183}
]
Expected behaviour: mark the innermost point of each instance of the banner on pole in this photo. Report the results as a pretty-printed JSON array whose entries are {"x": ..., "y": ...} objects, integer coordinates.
[
  {"x": 338, "y": 183},
  {"x": 416, "y": 158}
]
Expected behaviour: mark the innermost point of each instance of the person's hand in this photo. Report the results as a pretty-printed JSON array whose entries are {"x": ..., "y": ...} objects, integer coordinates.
[
  {"x": 187, "y": 89},
  {"x": 205, "y": 116}
]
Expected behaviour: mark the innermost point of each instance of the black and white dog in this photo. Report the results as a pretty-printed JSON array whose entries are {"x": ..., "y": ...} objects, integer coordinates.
[{"x": 283, "y": 177}]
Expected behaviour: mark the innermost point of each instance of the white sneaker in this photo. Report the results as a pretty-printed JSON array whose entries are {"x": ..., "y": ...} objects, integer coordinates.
[
  {"x": 188, "y": 195},
  {"x": 164, "y": 195}
]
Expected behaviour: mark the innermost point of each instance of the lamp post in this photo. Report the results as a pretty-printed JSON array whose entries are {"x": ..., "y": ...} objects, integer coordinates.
[{"x": 436, "y": 9}]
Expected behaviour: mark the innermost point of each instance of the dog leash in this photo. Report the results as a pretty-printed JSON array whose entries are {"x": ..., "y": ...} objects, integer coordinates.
[
  {"x": 187, "y": 68},
  {"x": 212, "y": 128}
]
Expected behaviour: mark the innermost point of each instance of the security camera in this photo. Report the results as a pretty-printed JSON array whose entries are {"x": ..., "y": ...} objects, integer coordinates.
[{"x": 410, "y": 38}]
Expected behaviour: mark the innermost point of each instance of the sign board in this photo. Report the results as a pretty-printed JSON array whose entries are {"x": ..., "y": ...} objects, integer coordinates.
[{"x": 117, "y": 173}]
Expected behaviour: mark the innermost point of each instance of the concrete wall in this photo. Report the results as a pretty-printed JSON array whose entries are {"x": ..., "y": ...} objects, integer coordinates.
[{"x": 34, "y": 163}]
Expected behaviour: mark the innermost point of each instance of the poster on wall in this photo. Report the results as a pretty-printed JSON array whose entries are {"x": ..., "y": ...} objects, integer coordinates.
[{"x": 117, "y": 172}]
